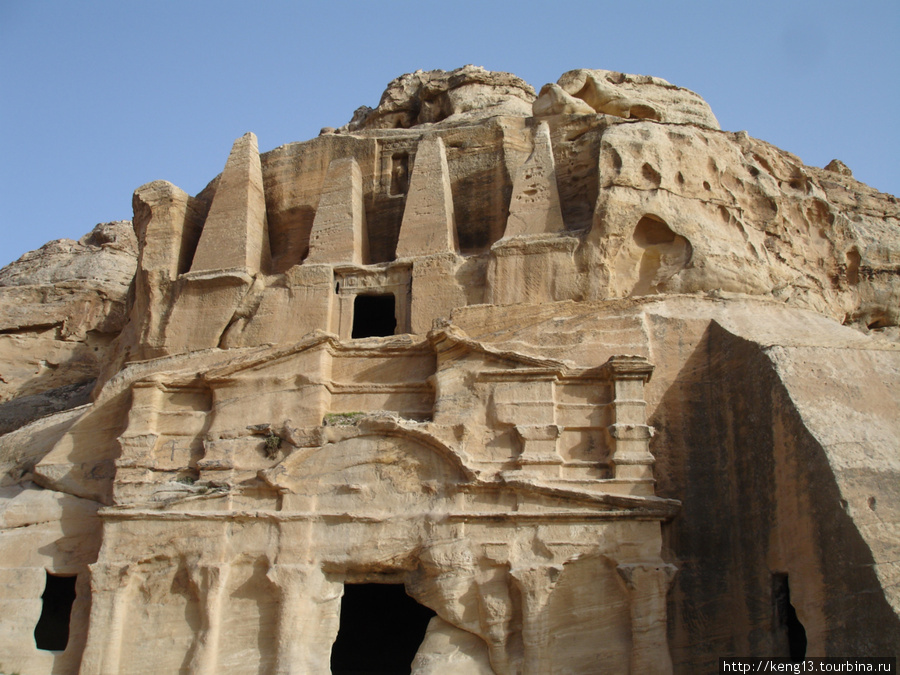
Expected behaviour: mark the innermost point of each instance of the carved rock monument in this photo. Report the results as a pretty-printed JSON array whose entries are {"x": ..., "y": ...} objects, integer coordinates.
[{"x": 564, "y": 383}]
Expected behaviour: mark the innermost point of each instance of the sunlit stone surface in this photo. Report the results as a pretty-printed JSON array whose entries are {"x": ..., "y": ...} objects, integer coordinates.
[{"x": 603, "y": 388}]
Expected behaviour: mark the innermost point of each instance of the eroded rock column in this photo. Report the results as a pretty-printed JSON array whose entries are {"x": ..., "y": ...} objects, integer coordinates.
[
  {"x": 168, "y": 223},
  {"x": 536, "y": 586},
  {"x": 138, "y": 442},
  {"x": 495, "y": 610},
  {"x": 308, "y": 618},
  {"x": 647, "y": 585},
  {"x": 211, "y": 582},
  {"x": 112, "y": 586}
]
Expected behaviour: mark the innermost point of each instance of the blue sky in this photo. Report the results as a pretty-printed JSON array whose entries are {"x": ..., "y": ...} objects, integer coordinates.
[{"x": 98, "y": 98}]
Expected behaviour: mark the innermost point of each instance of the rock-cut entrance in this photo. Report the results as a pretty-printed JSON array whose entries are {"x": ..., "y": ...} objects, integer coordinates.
[{"x": 381, "y": 630}]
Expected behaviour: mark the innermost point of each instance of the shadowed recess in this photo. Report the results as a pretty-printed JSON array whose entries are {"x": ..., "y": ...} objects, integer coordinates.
[
  {"x": 373, "y": 316},
  {"x": 381, "y": 630},
  {"x": 52, "y": 630},
  {"x": 786, "y": 621}
]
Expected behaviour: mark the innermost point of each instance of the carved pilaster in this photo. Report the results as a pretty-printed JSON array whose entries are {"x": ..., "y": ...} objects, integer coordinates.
[
  {"x": 495, "y": 611},
  {"x": 536, "y": 585},
  {"x": 629, "y": 433},
  {"x": 111, "y": 588},
  {"x": 211, "y": 582},
  {"x": 138, "y": 441},
  {"x": 308, "y": 618},
  {"x": 647, "y": 585},
  {"x": 538, "y": 447}
]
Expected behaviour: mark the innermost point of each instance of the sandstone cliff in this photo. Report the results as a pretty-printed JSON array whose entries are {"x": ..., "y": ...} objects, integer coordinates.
[
  {"x": 601, "y": 386},
  {"x": 60, "y": 308}
]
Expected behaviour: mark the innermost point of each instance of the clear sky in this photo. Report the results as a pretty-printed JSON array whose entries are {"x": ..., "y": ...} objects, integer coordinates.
[{"x": 98, "y": 98}]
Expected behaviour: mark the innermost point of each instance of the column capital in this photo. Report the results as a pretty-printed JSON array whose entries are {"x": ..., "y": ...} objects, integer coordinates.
[
  {"x": 635, "y": 574},
  {"x": 629, "y": 367}
]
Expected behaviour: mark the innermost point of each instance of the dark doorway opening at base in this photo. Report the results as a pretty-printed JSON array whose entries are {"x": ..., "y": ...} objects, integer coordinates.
[
  {"x": 381, "y": 630},
  {"x": 52, "y": 630},
  {"x": 373, "y": 316},
  {"x": 786, "y": 620}
]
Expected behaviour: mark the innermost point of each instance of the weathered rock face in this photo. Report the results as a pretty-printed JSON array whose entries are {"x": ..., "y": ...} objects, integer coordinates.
[
  {"x": 621, "y": 95},
  {"x": 417, "y": 350},
  {"x": 434, "y": 96},
  {"x": 60, "y": 308}
]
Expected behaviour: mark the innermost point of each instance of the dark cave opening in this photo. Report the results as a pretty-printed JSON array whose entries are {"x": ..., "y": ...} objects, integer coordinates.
[
  {"x": 381, "y": 630},
  {"x": 786, "y": 617},
  {"x": 373, "y": 316},
  {"x": 52, "y": 630}
]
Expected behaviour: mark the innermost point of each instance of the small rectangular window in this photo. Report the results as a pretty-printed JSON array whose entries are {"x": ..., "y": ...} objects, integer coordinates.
[{"x": 373, "y": 316}]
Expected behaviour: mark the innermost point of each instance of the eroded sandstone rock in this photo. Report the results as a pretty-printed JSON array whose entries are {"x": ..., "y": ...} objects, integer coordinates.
[
  {"x": 427, "y": 97},
  {"x": 603, "y": 387},
  {"x": 60, "y": 308},
  {"x": 622, "y": 95}
]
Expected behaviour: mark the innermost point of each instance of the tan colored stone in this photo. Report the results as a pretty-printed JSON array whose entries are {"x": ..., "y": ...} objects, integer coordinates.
[
  {"x": 169, "y": 222},
  {"x": 104, "y": 256},
  {"x": 60, "y": 308},
  {"x": 43, "y": 532},
  {"x": 435, "y": 289},
  {"x": 428, "y": 225},
  {"x": 627, "y": 434},
  {"x": 339, "y": 232},
  {"x": 554, "y": 100},
  {"x": 637, "y": 96},
  {"x": 451, "y": 651},
  {"x": 534, "y": 207},
  {"x": 22, "y": 448},
  {"x": 235, "y": 232},
  {"x": 436, "y": 95},
  {"x": 837, "y": 166}
]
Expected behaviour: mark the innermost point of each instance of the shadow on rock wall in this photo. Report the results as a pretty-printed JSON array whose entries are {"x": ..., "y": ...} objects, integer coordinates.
[{"x": 761, "y": 509}]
